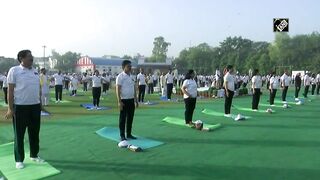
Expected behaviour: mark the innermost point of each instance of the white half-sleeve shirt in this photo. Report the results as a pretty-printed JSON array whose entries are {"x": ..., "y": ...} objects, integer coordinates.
[
  {"x": 191, "y": 88},
  {"x": 127, "y": 85},
  {"x": 26, "y": 85}
]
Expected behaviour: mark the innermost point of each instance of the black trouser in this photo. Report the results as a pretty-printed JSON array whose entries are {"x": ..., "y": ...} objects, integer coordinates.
[
  {"x": 244, "y": 85},
  {"x": 150, "y": 88},
  {"x": 85, "y": 86},
  {"x": 126, "y": 117},
  {"x": 142, "y": 90},
  {"x": 272, "y": 96},
  {"x": 313, "y": 88},
  {"x": 190, "y": 105},
  {"x": 66, "y": 85},
  {"x": 284, "y": 93},
  {"x": 5, "y": 92},
  {"x": 169, "y": 90},
  {"x": 26, "y": 116},
  {"x": 96, "y": 93},
  {"x": 256, "y": 98},
  {"x": 104, "y": 88},
  {"x": 318, "y": 88},
  {"x": 296, "y": 92},
  {"x": 58, "y": 90},
  {"x": 228, "y": 102},
  {"x": 74, "y": 92},
  {"x": 306, "y": 90},
  {"x": 155, "y": 83}
]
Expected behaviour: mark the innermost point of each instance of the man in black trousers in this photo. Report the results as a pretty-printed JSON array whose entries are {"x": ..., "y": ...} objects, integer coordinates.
[
  {"x": 297, "y": 85},
  {"x": 127, "y": 99},
  {"x": 24, "y": 106},
  {"x": 229, "y": 81}
]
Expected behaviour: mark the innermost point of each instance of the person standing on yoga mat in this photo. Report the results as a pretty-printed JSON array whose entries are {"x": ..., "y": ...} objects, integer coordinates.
[
  {"x": 58, "y": 81},
  {"x": 297, "y": 85},
  {"x": 74, "y": 84},
  {"x": 228, "y": 85},
  {"x": 96, "y": 89},
  {"x": 141, "y": 78},
  {"x": 306, "y": 83},
  {"x": 169, "y": 81},
  {"x": 313, "y": 83},
  {"x": 284, "y": 85},
  {"x": 318, "y": 83},
  {"x": 44, "y": 83},
  {"x": 256, "y": 89},
  {"x": 127, "y": 99},
  {"x": 5, "y": 87},
  {"x": 24, "y": 106},
  {"x": 189, "y": 89},
  {"x": 273, "y": 86}
]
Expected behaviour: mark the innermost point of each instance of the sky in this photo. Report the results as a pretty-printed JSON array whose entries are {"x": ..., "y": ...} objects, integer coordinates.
[{"x": 118, "y": 27}]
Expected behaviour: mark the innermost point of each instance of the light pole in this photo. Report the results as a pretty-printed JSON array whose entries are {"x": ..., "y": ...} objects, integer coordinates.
[{"x": 44, "y": 56}]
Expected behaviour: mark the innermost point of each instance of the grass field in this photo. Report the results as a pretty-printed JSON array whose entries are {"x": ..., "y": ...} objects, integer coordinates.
[{"x": 283, "y": 145}]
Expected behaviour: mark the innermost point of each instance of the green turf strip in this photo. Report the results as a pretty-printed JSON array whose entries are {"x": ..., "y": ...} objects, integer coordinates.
[
  {"x": 219, "y": 114},
  {"x": 31, "y": 171},
  {"x": 63, "y": 101},
  {"x": 113, "y": 134},
  {"x": 181, "y": 122},
  {"x": 250, "y": 109}
]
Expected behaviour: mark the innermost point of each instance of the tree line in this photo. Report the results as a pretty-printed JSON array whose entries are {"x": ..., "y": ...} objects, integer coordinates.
[{"x": 300, "y": 52}]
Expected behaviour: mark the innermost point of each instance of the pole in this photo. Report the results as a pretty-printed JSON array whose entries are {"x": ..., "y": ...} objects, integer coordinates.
[{"x": 44, "y": 56}]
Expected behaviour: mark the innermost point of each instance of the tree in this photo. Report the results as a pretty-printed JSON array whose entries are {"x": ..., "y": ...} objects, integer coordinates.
[
  {"x": 7, "y": 63},
  {"x": 160, "y": 49},
  {"x": 66, "y": 62}
]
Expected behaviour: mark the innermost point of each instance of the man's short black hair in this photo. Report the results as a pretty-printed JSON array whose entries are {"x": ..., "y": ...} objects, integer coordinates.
[
  {"x": 229, "y": 67},
  {"x": 23, "y": 54},
  {"x": 125, "y": 62}
]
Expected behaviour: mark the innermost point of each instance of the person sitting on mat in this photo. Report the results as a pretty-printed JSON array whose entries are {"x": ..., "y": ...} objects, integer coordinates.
[
  {"x": 127, "y": 99},
  {"x": 189, "y": 89},
  {"x": 24, "y": 107},
  {"x": 256, "y": 89}
]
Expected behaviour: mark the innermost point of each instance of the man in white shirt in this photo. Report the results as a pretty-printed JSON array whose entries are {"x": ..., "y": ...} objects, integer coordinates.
[
  {"x": 105, "y": 83},
  {"x": 163, "y": 85},
  {"x": 318, "y": 83},
  {"x": 5, "y": 87},
  {"x": 273, "y": 86},
  {"x": 85, "y": 80},
  {"x": 228, "y": 84},
  {"x": 127, "y": 99},
  {"x": 141, "y": 78},
  {"x": 306, "y": 83},
  {"x": 58, "y": 82},
  {"x": 24, "y": 107},
  {"x": 169, "y": 81},
  {"x": 284, "y": 85}
]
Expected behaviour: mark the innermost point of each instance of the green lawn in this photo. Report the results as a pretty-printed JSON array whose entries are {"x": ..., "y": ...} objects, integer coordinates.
[{"x": 283, "y": 145}]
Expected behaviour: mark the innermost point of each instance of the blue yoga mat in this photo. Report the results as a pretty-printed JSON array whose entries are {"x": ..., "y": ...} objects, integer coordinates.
[
  {"x": 89, "y": 106},
  {"x": 114, "y": 135}
]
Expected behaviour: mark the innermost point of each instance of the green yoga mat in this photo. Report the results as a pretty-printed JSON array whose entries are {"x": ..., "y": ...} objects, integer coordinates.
[
  {"x": 31, "y": 171},
  {"x": 181, "y": 122},
  {"x": 63, "y": 101},
  {"x": 220, "y": 114},
  {"x": 250, "y": 110},
  {"x": 114, "y": 135}
]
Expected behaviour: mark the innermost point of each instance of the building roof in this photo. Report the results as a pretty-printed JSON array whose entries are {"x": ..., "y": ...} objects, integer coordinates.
[{"x": 109, "y": 62}]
